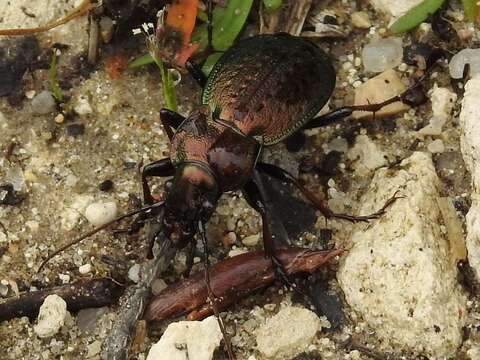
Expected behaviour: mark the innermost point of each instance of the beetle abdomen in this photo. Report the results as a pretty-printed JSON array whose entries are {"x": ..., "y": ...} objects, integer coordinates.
[{"x": 270, "y": 85}]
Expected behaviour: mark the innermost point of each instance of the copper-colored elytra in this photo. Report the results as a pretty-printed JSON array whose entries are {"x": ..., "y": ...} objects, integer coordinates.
[{"x": 231, "y": 279}]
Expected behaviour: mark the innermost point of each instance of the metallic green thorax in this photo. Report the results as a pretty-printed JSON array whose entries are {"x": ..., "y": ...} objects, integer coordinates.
[{"x": 271, "y": 85}]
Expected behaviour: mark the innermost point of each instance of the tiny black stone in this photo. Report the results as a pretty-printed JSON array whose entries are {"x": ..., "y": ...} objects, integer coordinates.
[
  {"x": 75, "y": 129},
  {"x": 106, "y": 185}
]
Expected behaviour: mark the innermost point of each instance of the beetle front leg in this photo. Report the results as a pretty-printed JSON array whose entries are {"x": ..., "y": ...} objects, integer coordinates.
[
  {"x": 196, "y": 72},
  {"x": 319, "y": 203},
  {"x": 170, "y": 120},
  {"x": 162, "y": 168}
]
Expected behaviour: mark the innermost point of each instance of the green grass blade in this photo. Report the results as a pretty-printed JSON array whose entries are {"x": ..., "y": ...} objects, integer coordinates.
[
  {"x": 53, "y": 80},
  {"x": 416, "y": 15},
  {"x": 141, "y": 61},
  {"x": 169, "y": 95},
  {"x": 227, "y": 24}
]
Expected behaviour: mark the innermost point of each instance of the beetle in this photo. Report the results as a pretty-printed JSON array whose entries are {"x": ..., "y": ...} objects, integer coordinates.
[{"x": 261, "y": 91}]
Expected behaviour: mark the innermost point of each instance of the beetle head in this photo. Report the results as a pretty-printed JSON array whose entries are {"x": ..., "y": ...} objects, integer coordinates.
[{"x": 192, "y": 197}]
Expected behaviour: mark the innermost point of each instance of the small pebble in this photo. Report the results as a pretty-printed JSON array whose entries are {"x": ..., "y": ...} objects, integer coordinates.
[
  {"x": 94, "y": 349},
  {"x": 436, "y": 146},
  {"x": 361, "y": 20},
  {"x": 101, "y": 212},
  {"x": 85, "y": 269},
  {"x": 30, "y": 94},
  {"x": 229, "y": 239},
  {"x": 59, "y": 119},
  {"x": 3, "y": 290},
  {"x": 51, "y": 316},
  {"x": 134, "y": 273},
  {"x": 82, "y": 107},
  {"x": 383, "y": 54},
  {"x": 75, "y": 129},
  {"x": 251, "y": 240},
  {"x": 43, "y": 103},
  {"x": 65, "y": 278},
  {"x": 157, "y": 286}
]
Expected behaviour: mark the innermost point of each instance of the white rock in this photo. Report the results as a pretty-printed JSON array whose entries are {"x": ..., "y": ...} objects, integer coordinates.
[
  {"x": 251, "y": 240},
  {"x": 361, "y": 20},
  {"x": 436, "y": 146},
  {"x": 72, "y": 212},
  {"x": 94, "y": 349},
  {"x": 470, "y": 145},
  {"x": 85, "y": 268},
  {"x": 287, "y": 333},
  {"x": 134, "y": 273},
  {"x": 399, "y": 275},
  {"x": 82, "y": 107},
  {"x": 192, "y": 340},
  {"x": 51, "y": 317},
  {"x": 382, "y": 54},
  {"x": 394, "y": 8},
  {"x": 366, "y": 155},
  {"x": 443, "y": 101},
  {"x": 100, "y": 213}
]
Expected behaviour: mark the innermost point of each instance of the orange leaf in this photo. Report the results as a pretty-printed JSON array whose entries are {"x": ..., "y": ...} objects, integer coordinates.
[{"x": 181, "y": 16}]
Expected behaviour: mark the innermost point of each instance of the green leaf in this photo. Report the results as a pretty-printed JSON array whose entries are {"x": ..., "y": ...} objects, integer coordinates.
[
  {"x": 227, "y": 24},
  {"x": 416, "y": 15},
  {"x": 52, "y": 77},
  {"x": 210, "y": 62},
  {"x": 471, "y": 9},
  {"x": 141, "y": 61},
  {"x": 169, "y": 95},
  {"x": 272, "y": 5}
]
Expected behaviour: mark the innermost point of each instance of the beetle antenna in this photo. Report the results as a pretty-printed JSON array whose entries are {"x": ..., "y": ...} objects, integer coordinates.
[
  {"x": 211, "y": 296},
  {"x": 144, "y": 209}
]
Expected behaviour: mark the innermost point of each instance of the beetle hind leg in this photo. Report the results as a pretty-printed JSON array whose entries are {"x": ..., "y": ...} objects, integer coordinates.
[
  {"x": 319, "y": 203},
  {"x": 257, "y": 198}
]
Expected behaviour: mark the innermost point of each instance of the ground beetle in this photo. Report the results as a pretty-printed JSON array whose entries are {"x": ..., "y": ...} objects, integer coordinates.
[{"x": 261, "y": 91}]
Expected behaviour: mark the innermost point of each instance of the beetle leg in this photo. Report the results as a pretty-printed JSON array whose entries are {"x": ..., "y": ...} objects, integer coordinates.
[
  {"x": 162, "y": 168},
  {"x": 192, "y": 245},
  {"x": 345, "y": 111},
  {"x": 196, "y": 72},
  {"x": 170, "y": 119},
  {"x": 319, "y": 203},
  {"x": 256, "y": 198}
]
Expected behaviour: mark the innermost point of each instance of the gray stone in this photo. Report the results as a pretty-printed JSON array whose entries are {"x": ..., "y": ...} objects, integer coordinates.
[{"x": 43, "y": 103}]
